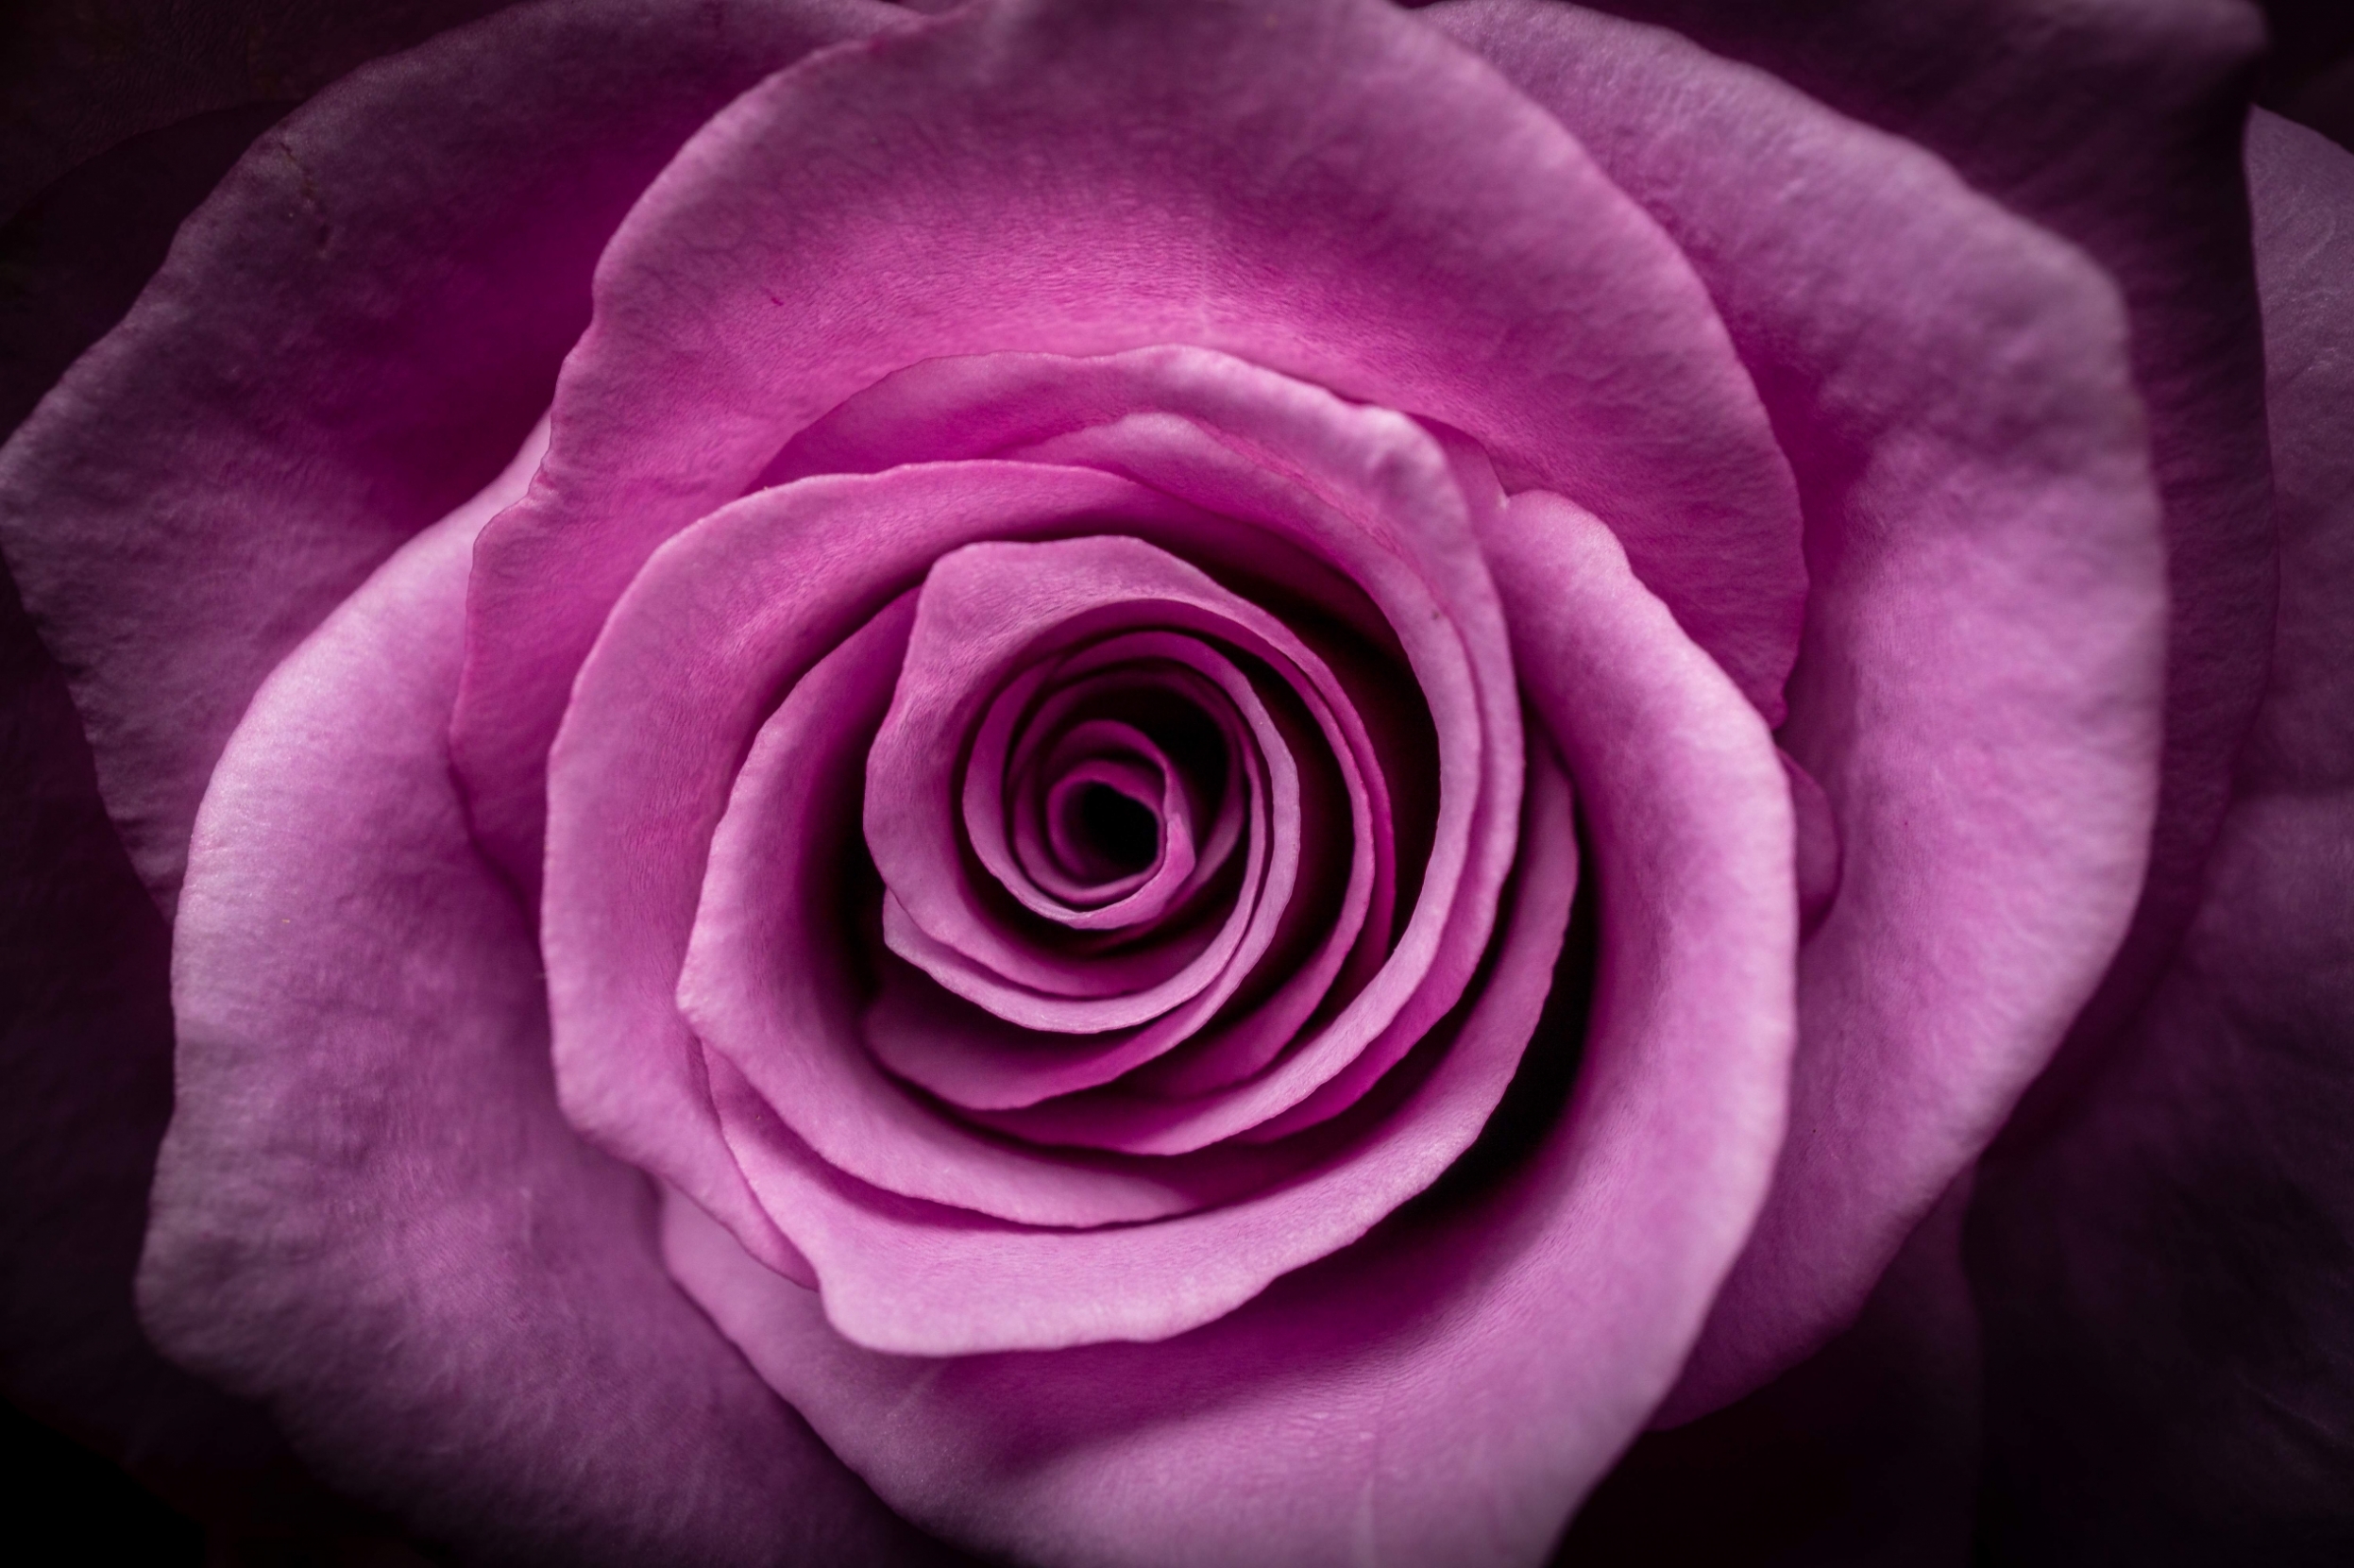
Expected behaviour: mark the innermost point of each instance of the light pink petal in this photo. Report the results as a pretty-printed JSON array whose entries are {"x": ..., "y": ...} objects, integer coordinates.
[
  {"x": 728, "y": 616},
  {"x": 1446, "y": 250},
  {"x": 369, "y": 1214},
  {"x": 1446, "y": 1389},
  {"x": 1980, "y": 692},
  {"x": 342, "y": 346}
]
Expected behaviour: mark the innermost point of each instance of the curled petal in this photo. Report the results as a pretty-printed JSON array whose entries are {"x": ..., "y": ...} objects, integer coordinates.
[
  {"x": 916, "y": 1278},
  {"x": 368, "y": 1213},
  {"x": 1440, "y": 252},
  {"x": 730, "y": 611},
  {"x": 1503, "y": 1343},
  {"x": 341, "y": 347},
  {"x": 1981, "y": 691}
]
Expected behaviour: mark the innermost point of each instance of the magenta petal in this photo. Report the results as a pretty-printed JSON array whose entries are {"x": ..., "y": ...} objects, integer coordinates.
[
  {"x": 727, "y": 615},
  {"x": 769, "y": 983},
  {"x": 943, "y": 192},
  {"x": 2118, "y": 127},
  {"x": 984, "y": 1061},
  {"x": 2165, "y": 1273},
  {"x": 341, "y": 347},
  {"x": 1376, "y": 495},
  {"x": 369, "y": 1212},
  {"x": 921, "y": 1279},
  {"x": 1980, "y": 693},
  {"x": 1502, "y": 1346},
  {"x": 991, "y": 604}
]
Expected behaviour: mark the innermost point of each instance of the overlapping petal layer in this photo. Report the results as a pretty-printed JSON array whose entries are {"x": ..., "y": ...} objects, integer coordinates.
[
  {"x": 1496, "y": 1343},
  {"x": 368, "y": 1213},
  {"x": 341, "y": 347},
  {"x": 869, "y": 1058},
  {"x": 1446, "y": 250},
  {"x": 1981, "y": 692},
  {"x": 1052, "y": 863}
]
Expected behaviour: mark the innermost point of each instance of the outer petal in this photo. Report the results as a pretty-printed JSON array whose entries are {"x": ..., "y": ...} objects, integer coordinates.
[
  {"x": 1321, "y": 186},
  {"x": 1979, "y": 691},
  {"x": 2168, "y": 1277},
  {"x": 86, "y": 1053},
  {"x": 368, "y": 1211},
  {"x": 2116, "y": 123},
  {"x": 80, "y": 79},
  {"x": 1445, "y": 1389},
  {"x": 342, "y": 346}
]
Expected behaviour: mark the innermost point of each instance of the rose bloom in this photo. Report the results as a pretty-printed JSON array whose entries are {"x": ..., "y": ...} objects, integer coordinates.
[{"x": 1197, "y": 784}]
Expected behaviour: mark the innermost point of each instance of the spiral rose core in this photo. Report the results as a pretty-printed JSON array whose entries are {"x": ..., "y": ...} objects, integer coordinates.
[{"x": 1120, "y": 860}]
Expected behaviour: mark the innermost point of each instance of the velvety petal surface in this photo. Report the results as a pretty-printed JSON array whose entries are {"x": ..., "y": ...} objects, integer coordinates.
[
  {"x": 1980, "y": 692},
  {"x": 919, "y": 1279},
  {"x": 2117, "y": 127},
  {"x": 772, "y": 982},
  {"x": 369, "y": 1213},
  {"x": 669, "y": 702},
  {"x": 341, "y": 347},
  {"x": 1449, "y": 1388},
  {"x": 1323, "y": 187},
  {"x": 2168, "y": 1273}
]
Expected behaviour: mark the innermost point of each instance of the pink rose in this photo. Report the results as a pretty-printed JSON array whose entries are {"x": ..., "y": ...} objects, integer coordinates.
[{"x": 1209, "y": 783}]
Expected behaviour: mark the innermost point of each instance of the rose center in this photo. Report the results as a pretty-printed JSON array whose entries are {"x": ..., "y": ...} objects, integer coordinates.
[{"x": 1104, "y": 832}]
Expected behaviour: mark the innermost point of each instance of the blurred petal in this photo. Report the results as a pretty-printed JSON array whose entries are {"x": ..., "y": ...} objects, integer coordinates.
[
  {"x": 2168, "y": 1273},
  {"x": 1863, "y": 1456},
  {"x": 79, "y": 79},
  {"x": 86, "y": 1052},
  {"x": 369, "y": 1213},
  {"x": 74, "y": 259}
]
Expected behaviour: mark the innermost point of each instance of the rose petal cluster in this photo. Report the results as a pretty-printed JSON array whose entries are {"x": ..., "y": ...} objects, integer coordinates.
[
  {"x": 1192, "y": 721},
  {"x": 1180, "y": 791}
]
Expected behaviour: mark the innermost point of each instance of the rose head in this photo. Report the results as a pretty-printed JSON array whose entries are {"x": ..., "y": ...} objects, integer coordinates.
[{"x": 1232, "y": 774}]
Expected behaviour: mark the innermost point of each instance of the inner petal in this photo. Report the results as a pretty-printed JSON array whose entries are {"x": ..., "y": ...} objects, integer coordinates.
[
  {"x": 984, "y": 610},
  {"x": 1184, "y": 731},
  {"x": 1113, "y": 820}
]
